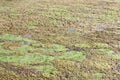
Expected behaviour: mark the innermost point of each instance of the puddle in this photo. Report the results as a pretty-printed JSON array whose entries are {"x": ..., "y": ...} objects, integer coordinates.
[
  {"x": 100, "y": 28},
  {"x": 71, "y": 31}
]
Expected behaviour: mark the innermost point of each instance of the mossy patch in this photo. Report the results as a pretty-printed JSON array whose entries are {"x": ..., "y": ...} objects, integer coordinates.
[
  {"x": 31, "y": 25},
  {"x": 17, "y": 51},
  {"x": 83, "y": 45},
  {"x": 53, "y": 20},
  {"x": 23, "y": 50},
  {"x": 102, "y": 65},
  {"x": 15, "y": 45},
  {"x": 47, "y": 69},
  {"x": 71, "y": 18},
  {"x": 99, "y": 76},
  {"x": 116, "y": 56},
  {"x": 74, "y": 55},
  {"x": 112, "y": 0},
  {"x": 54, "y": 48},
  {"x": 12, "y": 37},
  {"x": 100, "y": 45},
  {"x": 27, "y": 58},
  {"x": 14, "y": 15},
  {"x": 66, "y": 37},
  {"x": 107, "y": 51}
]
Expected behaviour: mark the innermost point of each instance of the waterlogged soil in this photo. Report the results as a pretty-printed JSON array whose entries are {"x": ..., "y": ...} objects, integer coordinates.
[{"x": 59, "y": 40}]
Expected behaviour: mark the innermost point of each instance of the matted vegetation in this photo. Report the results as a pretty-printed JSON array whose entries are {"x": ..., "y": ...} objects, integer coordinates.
[{"x": 59, "y": 40}]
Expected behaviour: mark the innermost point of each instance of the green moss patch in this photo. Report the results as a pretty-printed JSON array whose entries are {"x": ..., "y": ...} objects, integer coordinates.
[
  {"x": 112, "y": 0},
  {"x": 27, "y": 58},
  {"x": 100, "y": 45},
  {"x": 47, "y": 69},
  {"x": 83, "y": 45},
  {"x": 54, "y": 48},
  {"x": 10, "y": 40},
  {"x": 99, "y": 76},
  {"x": 31, "y": 26},
  {"x": 116, "y": 56},
  {"x": 74, "y": 55},
  {"x": 12, "y": 37},
  {"x": 107, "y": 51}
]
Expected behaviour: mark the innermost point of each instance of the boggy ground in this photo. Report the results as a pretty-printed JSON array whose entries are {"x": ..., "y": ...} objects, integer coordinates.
[{"x": 59, "y": 40}]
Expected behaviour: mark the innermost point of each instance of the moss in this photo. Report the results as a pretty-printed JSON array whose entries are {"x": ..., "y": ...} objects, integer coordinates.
[
  {"x": 53, "y": 48},
  {"x": 77, "y": 56},
  {"x": 53, "y": 20},
  {"x": 22, "y": 50},
  {"x": 83, "y": 45},
  {"x": 31, "y": 25},
  {"x": 47, "y": 69},
  {"x": 56, "y": 11},
  {"x": 107, "y": 51},
  {"x": 27, "y": 58},
  {"x": 4, "y": 51},
  {"x": 58, "y": 47},
  {"x": 11, "y": 48},
  {"x": 100, "y": 45},
  {"x": 112, "y": 0},
  {"x": 18, "y": 51},
  {"x": 107, "y": 17},
  {"x": 99, "y": 76},
  {"x": 102, "y": 65},
  {"x": 30, "y": 10},
  {"x": 12, "y": 37},
  {"x": 14, "y": 15},
  {"x": 50, "y": 20},
  {"x": 116, "y": 56},
  {"x": 70, "y": 18}
]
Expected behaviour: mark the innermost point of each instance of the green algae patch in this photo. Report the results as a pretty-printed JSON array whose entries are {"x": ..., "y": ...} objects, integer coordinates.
[
  {"x": 116, "y": 56},
  {"x": 107, "y": 51},
  {"x": 31, "y": 26},
  {"x": 14, "y": 15},
  {"x": 17, "y": 51},
  {"x": 100, "y": 45},
  {"x": 48, "y": 48},
  {"x": 58, "y": 47},
  {"x": 12, "y": 37},
  {"x": 53, "y": 48},
  {"x": 53, "y": 20},
  {"x": 70, "y": 18},
  {"x": 56, "y": 11},
  {"x": 102, "y": 65},
  {"x": 27, "y": 58},
  {"x": 98, "y": 76},
  {"x": 74, "y": 55},
  {"x": 4, "y": 51},
  {"x": 47, "y": 69},
  {"x": 15, "y": 45},
  {"x": 112, "y": 0},
  {"x": 83, "y": 45},
  {"x": 22, "y": 50}
]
